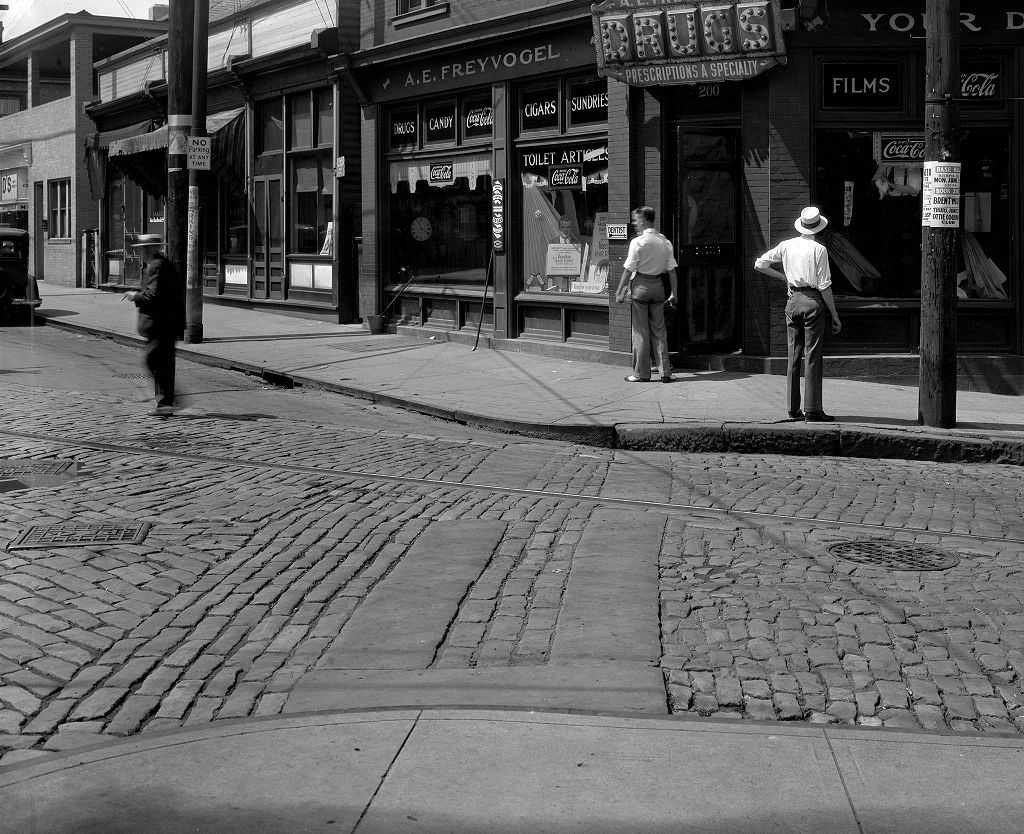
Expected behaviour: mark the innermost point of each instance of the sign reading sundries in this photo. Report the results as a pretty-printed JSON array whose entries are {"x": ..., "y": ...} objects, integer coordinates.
[{"x": 652, "y": 42}]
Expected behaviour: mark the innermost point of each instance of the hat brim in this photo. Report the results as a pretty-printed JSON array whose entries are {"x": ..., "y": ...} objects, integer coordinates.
[{"x": 808, "y": 230}]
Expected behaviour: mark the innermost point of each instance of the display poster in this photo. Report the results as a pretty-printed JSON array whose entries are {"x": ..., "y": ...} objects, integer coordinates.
[
  {"x": 327, "y": 247},
  {"x": 594, "y": 272},
  {"x": 940, "y": 208},
  {"x": 563, "y": 259}
]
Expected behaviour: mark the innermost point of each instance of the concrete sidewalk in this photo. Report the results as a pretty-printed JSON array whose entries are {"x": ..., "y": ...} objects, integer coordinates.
[
  {"x": 500, "y": 771},
  {"x": 702, "y": 411}
]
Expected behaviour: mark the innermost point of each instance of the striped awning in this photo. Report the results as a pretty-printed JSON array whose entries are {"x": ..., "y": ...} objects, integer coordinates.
[{"x": 156, "y": 140}]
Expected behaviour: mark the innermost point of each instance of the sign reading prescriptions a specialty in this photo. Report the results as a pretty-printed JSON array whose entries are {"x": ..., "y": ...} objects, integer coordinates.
[
  {"x": 940, "y": 207},
  {"x": 653, "y": 42}
]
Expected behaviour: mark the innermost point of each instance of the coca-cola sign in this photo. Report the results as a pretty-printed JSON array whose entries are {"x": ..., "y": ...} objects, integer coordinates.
[
  {"x": 498, "y": 215},
  {"x": 480, "y": 117},
  {"x": 981, "y": 83},
  {"x": 899, "y": 148},
  {"x": 442, "y": 173},
  {"x": 565, "y": 176}
]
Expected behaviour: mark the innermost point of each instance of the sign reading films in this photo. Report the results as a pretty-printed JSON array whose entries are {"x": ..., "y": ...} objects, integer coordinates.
[{"x": 653, "y": 42}]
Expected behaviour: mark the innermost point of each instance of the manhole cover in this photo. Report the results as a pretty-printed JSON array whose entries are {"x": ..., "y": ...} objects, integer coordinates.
[
  {"x": 41, "y": 536},
  {"x": 12, "y": 468},
  {"x": 883, "y": 553}
]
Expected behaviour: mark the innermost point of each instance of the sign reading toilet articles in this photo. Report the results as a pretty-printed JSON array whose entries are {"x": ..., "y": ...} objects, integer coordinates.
[{"x": 940, "y": 192}]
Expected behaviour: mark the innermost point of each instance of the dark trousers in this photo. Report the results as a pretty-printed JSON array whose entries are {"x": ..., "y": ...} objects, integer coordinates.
[
  {"x": 806, "y": 316},
  {"x": 648, "y": 326},
  {"x": 160, "y": 356}
]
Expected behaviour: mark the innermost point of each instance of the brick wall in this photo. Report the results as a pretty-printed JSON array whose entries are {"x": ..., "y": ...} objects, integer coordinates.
[
  {"x": 50, "y": 128},
  {"x": 757, "y": 202},
  {"x": 369, "y": 271},
  {"x": 620, "y": 201},
  {"x": 789, "y": 155}
]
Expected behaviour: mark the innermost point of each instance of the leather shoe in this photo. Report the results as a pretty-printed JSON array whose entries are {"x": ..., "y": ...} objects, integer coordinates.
[
  {"x": 818, "y": 417},
  {"x": 632, "y": 378},
  {"x": 796, "y": 415},
  {"x": 666, "y": 378}
]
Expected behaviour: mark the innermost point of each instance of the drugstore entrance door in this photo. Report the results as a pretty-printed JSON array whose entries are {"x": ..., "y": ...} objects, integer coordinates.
[{"x": 706, "y": 235}]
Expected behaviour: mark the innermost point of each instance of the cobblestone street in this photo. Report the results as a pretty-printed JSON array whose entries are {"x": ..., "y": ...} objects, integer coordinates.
[{"x": 285, "y": 557}]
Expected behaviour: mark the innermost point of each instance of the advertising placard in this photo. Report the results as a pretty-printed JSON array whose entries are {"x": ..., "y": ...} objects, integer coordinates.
[
  {"x": 940, "y": 207},
  {"x": 498, "y": 215}
]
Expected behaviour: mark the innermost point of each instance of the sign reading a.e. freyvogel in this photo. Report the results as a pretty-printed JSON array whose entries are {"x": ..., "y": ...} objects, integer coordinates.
[{"x": 652, "y": 42}]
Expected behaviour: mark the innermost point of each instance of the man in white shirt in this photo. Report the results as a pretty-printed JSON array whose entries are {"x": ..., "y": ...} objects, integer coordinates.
[
  {"x": 807, "y": 275},
  {"x": 650, "y": 254}
]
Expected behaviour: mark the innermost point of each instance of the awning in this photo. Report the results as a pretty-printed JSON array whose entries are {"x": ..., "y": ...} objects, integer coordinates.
[
  {"x": 96, "y": 159},
  {"x": 157, "y": 139},
  {"x": 104, "y": 138},
  {"x": 143, "y": 157}
]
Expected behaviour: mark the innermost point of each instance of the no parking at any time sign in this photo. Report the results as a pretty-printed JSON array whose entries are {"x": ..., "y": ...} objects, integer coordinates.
[{"x": 199, "y": 153}]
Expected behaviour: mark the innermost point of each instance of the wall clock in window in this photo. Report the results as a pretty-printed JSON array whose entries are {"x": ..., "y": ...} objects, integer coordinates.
[{"x": 421, "y": 228}]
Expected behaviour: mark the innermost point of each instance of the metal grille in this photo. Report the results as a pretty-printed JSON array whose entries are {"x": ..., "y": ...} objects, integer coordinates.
[
  {"x": 10, "y": 468},
  {"x": 894, "y": 555},
  {"x": 41, "y": 536}
]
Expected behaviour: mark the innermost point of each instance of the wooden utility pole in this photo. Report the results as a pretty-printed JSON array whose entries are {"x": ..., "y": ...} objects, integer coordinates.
[
  {"x": 179, "y": 125},
  {"x": 194, "y": 271},
  {"x": 940, "y": 216}
]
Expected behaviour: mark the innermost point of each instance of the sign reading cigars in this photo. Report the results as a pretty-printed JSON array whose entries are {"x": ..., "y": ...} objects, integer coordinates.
[{"x": 654, "y": 42}]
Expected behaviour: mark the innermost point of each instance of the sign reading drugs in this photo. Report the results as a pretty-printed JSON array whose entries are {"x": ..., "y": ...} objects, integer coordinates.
[{"x": 653, "y": 42}]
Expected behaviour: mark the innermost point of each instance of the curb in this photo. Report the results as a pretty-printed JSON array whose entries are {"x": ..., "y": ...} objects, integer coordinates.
[
  {"x": 835, "y": 441},
  {"x": 795, "y": 439}
]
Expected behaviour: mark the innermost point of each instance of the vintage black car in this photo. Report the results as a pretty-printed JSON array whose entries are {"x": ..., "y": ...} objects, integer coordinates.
[{"x": 19, "y": 293}]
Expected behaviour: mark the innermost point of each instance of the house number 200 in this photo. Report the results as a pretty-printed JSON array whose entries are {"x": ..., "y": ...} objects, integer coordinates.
[{"x": 708, "y": 91}]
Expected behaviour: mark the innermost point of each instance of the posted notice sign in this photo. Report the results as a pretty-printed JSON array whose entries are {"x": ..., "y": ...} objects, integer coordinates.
[
  {"x": 940, "y": 192},
  {"x": 199, "y": 153}
]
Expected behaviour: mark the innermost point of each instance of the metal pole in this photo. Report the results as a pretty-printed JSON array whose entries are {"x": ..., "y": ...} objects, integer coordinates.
[
  {"x": 937, "y": 383},
  {"x": 483, "y": 301},
  {"x": 196, "y": 177}
]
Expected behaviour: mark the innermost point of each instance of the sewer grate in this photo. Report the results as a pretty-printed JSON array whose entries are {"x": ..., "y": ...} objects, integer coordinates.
[
  {"x": 11, "y": 467},
  {"x": 883, "y": 553},
  {"x": 41, "y": 536}
]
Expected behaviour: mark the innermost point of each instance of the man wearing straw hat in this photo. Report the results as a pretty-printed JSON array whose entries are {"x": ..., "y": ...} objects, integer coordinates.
[
  {"x": 806, "y": 273},
  {"x": 161, "y": 303}
]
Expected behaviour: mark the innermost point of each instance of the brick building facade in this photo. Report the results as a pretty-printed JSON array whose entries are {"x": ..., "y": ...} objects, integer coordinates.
[
  {"x": 832, "y": 115},
  {"x": 46, "y": 77}
]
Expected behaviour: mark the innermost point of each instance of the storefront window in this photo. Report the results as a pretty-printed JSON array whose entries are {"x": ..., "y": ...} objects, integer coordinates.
[
  {"x": 440, "y": 219},
  {"x": 869, "y": 185},
  {"x": 300, "y": 119},
  {"x": 312, "y": 205},
  {"x": 325, "y": 117},
  {"x": 270, "y": 126},
  {"x": 565, "y": 211},
  {"x": 235, "y": 227}
]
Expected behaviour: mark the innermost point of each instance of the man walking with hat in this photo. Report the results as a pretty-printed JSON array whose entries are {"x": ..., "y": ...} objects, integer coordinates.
[
  {"x": 161, "y": 304},
  {"x": 806, "y": 273}
]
